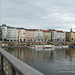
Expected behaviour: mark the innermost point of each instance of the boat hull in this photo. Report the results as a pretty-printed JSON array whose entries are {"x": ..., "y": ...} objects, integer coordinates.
[{"x": 73, "y": 46}]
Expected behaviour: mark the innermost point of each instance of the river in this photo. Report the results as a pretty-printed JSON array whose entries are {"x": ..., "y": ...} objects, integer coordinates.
[{"x": 50, "y": 62}]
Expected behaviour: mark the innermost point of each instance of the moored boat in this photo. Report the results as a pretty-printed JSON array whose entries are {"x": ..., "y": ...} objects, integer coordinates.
[
  {"x": 41, "y": 46},
  {"x": 62, "y": 46},
  {"x": 73, "y": 46},
  {"x": 65, "y": 46},
  {"x": 47, "y": 46}
]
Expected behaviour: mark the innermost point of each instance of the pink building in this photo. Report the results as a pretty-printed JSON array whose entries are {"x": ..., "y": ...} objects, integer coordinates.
[{"x": 29, "y": 34}]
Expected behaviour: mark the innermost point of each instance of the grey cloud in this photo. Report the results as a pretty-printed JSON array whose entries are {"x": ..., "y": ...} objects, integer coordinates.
[{"x": 39, "y": 13}]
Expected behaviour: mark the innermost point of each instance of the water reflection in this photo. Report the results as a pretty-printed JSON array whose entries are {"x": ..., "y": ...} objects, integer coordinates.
[
  {"x": 70, "y": 52},
  {"x": 47, "y": 55},
  {"x": 21, "y": 53},
  {"x": 47, "y": 61}
]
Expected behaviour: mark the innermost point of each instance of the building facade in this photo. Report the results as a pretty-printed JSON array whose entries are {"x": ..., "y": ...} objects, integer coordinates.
[
  {"x": 46, "y": 35},
  {"x": 38, "y": 35},
  {"x": 70, "y": 36},
  {"x": 57, "y": 35},
  {"x": 4, "y": 32},
  {"x": 29, "y": 34},
  {"x": 21, "y": 34},
  {"x": 12, "y": 35},
  {"x": 9, "y": 34}
]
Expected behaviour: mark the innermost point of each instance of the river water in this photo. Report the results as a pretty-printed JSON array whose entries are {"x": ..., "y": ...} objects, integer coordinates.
[{"x": 50, "y": 62}]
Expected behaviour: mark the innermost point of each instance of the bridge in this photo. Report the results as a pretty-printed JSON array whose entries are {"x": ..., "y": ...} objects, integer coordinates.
[{"x": 10, "y": 65}]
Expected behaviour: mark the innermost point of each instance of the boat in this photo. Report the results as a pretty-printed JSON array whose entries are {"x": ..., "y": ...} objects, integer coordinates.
[
  {"x": 47, "y": 46},
  {"x": 57, "y": 47},
  {"x": 61, "y": 46},
  {"x": 73, "y": 46},
  {"x": 65, "y": 46},
  {"x": 41, "y": 46}
]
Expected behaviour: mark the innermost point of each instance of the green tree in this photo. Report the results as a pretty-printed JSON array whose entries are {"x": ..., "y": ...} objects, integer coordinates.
[{"x": 24, "y": 39}]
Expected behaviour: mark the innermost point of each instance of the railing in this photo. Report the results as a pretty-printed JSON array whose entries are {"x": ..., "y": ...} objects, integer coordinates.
[{"x": 13, "y": 66}]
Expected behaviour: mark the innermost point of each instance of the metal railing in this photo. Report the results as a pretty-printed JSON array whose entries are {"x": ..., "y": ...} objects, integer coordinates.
[{"x": 13, "y": 66}]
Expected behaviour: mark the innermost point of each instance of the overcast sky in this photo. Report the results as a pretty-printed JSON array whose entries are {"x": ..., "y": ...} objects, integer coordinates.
[{"x": 44, "y": 14}]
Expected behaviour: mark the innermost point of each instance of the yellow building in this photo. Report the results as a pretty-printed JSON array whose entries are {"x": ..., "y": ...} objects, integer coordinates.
[
  {"x": 46, "y": 35},
  {"x": 70, "y": 36}
]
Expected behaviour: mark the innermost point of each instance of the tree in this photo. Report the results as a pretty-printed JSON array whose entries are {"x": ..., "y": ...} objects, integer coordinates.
[
  {"x": 63, "y": 39},
  {"x": 24, "y": 39},
  {"x": 58, "y": 39},
  {"x": 30, "y": 39},
  {"x": 72, "y": 38}
]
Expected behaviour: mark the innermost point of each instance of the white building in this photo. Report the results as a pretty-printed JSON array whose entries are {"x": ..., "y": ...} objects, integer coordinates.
[
  {"x": 12, "y": 35},
  {"x": 9, "y": 34},
  {"x": 57, "y": 35},
  {"x": 38, "y": 36},
  {"x": 21, "y": 35}
]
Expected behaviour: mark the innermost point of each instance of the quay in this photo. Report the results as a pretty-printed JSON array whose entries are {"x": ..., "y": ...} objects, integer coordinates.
[
  {"x": 10, "y": 65},
  {"x": 23, "y": 44}
]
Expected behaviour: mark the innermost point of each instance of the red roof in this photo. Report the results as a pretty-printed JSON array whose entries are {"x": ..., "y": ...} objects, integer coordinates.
[
  {"x": 45, "y": 30},
  {"x": 60, "y": 31}
]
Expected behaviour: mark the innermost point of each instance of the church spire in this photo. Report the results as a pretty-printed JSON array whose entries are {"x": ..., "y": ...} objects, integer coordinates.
[{"x": 71, "y": 30}]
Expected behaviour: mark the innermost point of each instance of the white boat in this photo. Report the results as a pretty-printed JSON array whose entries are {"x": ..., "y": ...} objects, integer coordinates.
[
  {"x": 62, "y": 46},
  {"x": 41, "y": 46},
  {"x": 65, "y": 46},
  {"x": 47, "y": 46}
]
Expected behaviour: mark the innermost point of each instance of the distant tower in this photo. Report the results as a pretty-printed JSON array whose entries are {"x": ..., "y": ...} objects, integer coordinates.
[{"x": 71, "y": 30}]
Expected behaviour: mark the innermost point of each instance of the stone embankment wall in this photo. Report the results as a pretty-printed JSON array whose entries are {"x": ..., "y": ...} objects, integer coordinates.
[
  {"x": 62, "y": 43},
  {"x": 20, "y": 44}
]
